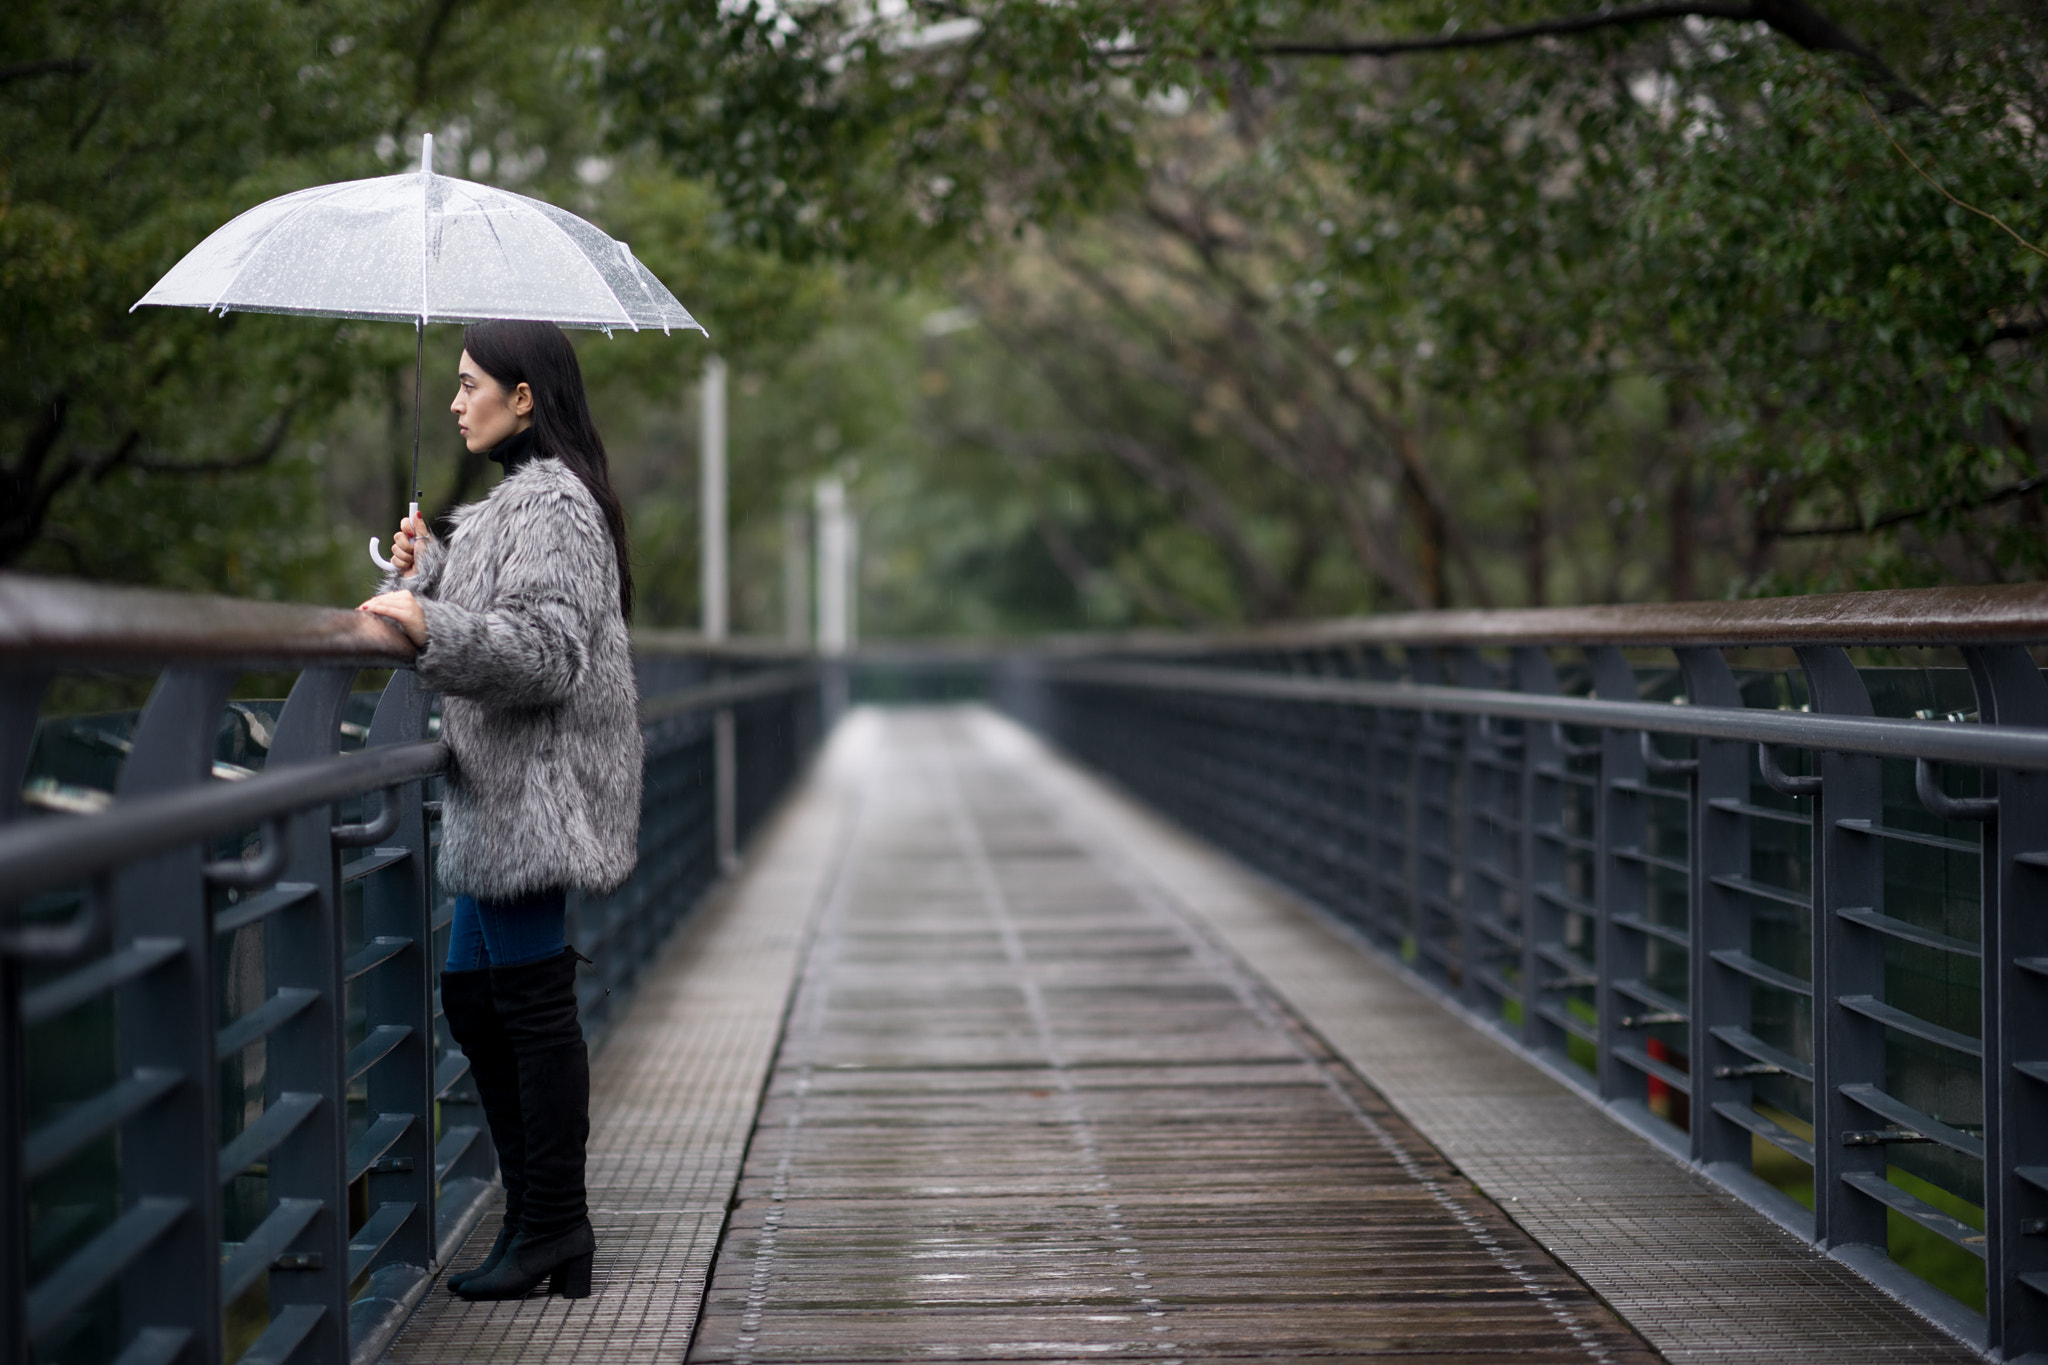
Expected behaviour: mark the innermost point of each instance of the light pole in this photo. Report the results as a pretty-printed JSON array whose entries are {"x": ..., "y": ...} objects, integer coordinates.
[
  {"x": 796, "y": 575},
  {"x": 712, "y": 590},
  {"x": 835, "y": 590}
]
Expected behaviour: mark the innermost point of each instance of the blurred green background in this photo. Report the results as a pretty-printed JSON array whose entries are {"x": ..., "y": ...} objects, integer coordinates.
[{"x": 1109, "y": 314}]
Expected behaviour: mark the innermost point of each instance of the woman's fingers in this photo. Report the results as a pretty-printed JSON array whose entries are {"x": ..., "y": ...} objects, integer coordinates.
[
  {"x": 404, "y": 545},
  {"x": 402, "y": 609}
]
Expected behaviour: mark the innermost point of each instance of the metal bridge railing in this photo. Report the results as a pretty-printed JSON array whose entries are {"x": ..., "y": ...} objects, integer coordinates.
[
  {"x": 1791, "y": 921},
  {"x": 232, "y": 1124}
]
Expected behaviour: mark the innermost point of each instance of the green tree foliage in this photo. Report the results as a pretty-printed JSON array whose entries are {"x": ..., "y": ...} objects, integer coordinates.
[
  {"x": 247, "y": 453},
  {"x": 1619, "y": 307},
  {"x": 1279, "y": 310}
]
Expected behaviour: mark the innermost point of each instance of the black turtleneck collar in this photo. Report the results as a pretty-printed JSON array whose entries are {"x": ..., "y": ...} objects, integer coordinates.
[{"x": 514, "y": 451}]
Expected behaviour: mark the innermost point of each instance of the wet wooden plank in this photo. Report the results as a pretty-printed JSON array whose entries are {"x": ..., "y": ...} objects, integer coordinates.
[{"x": 1023, "y": 1112}]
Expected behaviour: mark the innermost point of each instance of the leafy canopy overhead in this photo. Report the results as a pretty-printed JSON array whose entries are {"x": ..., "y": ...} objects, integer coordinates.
[
  {"x": 1284, "y": 308},
  {"x": 1503, "y": 217}
]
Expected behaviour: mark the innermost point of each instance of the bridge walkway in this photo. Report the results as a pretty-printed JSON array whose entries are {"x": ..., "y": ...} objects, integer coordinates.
[{"x": 978, "y": 1061}]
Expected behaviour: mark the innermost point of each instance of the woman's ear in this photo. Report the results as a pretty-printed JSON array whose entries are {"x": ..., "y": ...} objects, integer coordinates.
[{"x": 522, "y": 401}]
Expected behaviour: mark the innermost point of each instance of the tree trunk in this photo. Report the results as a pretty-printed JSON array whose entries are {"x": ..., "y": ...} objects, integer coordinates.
[
  {"x": 1430, "y": 569},
  {"x": 1683, "y": 531},
  {"x": 1536, "y": 532}
]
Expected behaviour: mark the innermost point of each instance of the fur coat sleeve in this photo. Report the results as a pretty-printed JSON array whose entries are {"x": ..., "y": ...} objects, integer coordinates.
[
  {"x": 527, "y": 647},
  {"x": 530, "y": 645},
  {"x": 428, "y": 554}
]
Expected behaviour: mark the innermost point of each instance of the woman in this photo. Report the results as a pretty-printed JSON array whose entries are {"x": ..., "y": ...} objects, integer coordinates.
[{"x": 520, "y": 624}]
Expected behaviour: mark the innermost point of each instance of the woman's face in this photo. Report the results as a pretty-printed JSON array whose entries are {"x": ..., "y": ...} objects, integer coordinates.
[{"x": 487, "y": 415}]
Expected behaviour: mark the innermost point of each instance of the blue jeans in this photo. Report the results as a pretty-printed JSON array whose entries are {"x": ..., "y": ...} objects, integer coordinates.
[{"x": 488, "y": 933}]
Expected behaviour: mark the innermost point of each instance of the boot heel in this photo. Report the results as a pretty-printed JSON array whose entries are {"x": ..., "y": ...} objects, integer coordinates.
[{"x": 572, "y": 1277}]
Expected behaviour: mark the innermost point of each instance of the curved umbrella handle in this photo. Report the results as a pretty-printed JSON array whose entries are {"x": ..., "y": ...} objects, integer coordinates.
[{"x": 377, "y": 542}]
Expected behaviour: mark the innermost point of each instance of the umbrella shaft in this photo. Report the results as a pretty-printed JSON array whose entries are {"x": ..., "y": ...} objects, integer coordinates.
[{"x": 419, "y": 361}]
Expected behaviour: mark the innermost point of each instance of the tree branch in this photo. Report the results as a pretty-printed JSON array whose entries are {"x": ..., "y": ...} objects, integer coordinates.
[
  {"x": 280, "y": 427},
  {"x": 437, "y": 24},
  {"x": 1793, "y": 19},
  {"x": 1890, "y": 519},
  {"x": 47, "y": 66}
]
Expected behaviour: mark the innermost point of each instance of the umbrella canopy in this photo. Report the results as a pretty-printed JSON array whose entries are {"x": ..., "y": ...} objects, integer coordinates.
[{"x": 420, "y": 248}]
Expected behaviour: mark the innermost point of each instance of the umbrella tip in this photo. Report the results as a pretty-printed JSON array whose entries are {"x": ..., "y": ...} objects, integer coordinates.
[{"x": 426, "y": 153}]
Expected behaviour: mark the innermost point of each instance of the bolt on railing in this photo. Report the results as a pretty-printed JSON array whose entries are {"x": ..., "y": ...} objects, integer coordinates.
[
  {"x": 188, "y": 928},
  {"x": 1794, "y": 928}
]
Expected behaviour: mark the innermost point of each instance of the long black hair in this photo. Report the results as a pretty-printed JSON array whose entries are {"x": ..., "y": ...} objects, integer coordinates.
[{"x": 538, "y": 355}]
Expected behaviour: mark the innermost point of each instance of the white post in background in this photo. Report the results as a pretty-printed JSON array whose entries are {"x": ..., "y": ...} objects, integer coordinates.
[
  {"x": 712, "y": 590},
  {"x": 711, "y": 501},
  {"x": 833, "y": 543},
  {"x": 796, "y": 576},
  {"x": 834, "y": 587},
  {"x": 852, "y": 577}
]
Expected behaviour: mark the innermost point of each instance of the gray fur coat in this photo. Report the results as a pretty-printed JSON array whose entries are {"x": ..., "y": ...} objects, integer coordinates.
[{"x": 527, "y": 648}]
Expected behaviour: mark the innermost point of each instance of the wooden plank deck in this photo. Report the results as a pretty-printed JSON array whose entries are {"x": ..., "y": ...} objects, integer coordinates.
[
  {"x": 980, "y": 1061},
  {"x": 1022, "y": 1113}
]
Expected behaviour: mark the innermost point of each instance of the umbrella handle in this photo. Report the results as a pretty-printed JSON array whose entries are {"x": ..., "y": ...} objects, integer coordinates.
[{"x": 377, "y": 543}]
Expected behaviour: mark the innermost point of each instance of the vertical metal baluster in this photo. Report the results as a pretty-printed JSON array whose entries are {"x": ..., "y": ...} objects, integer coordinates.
[
  {"x": 166, "y": 1018},
  {"x": 14, "y": 1344},
  {"x": 302, "y": 949},
  {"x": 1621, "y": 816},
  {"x": 1386, "y": 858},
  {"x": 1478, "y": 817},
  {"x": 1848, "y": 870},
  {"x": 1719, "y": 916},
  {"x": 1411, "y": 741},
  {"x": 1541, "y": 860},
  {"x": 21, "y": 693},
  {"x": 1429, "y": 853},
  {"x": 1356, "y": 796},
  {"x": 2010, "y": 691},
  {"x": 726, "y": 766},
  {"x": 397, "y": 903}
]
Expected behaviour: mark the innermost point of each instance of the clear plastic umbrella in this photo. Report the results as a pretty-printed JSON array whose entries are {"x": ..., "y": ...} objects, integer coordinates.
[{"x": 420, "y": 248}]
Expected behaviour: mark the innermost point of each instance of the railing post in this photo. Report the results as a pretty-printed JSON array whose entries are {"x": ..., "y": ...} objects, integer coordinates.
[
  {"x": 21, "y": 693},
  {"x": 1386, "y": 848},
  {"x": 1431, "y": 784},
  {"x": 1478, "y": 795},
  {"x": 1542, "y": 859},
  {"x": 726, "y": 778},
  {"x": 302, "y": 951},
  {"x": 1720, "y": 916},
  {"x": 399, "y": 992},
  {"x": 14, "y": 1343},
  {"x": 1621, "y": 823},
  {"x": 1848, "y": 871},
  {"x": 2010, "y": 691},
  {"x": 166, "y": 1019}
]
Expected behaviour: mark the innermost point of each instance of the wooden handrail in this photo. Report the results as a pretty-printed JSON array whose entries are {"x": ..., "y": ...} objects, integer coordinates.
[
  {"x": 55, "y": 623},
  {"x": 2012, "y": 613}
]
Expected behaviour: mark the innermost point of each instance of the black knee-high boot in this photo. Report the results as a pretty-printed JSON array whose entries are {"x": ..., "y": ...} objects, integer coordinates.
[
  {"x": 536, "y": 1007},
  {"x": 473, "y": 1022}
]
